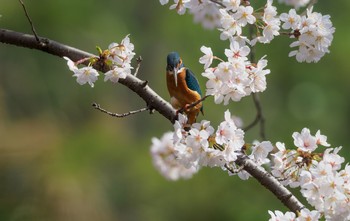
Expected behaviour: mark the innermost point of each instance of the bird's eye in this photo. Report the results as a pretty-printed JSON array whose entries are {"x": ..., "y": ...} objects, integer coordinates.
[{"x": 179, "y": 64}]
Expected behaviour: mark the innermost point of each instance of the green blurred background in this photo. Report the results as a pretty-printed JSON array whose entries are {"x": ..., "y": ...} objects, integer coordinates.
[{"x": 62, "y": 160}]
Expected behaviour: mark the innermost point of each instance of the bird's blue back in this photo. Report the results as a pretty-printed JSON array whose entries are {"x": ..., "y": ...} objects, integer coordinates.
[{"x": 192, "y": 82}]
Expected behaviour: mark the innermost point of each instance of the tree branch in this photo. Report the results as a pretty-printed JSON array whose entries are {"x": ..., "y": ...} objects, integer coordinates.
[
  {"x": 270, "y": 182},
  {"x": 46, "y": 45},
  {"x": 153, "y": 100}
]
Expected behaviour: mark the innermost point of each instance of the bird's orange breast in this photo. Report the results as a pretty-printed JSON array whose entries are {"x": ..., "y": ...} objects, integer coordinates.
[
  {"x": 181, "y": 95},
  {"x": 181, "y": 92}
]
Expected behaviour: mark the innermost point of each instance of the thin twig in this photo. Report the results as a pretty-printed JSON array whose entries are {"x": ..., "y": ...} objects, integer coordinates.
[
  {"x": 98, "y": 107},
  {"x": 259, "y": 117},
  {"x": 30, "y": 21},
  {"x": 245, "y": 2},
  {"x": 138, "y": 60},
  {"x": 252, "y": 124},
  {"x": 218, "y": 2},
  {"x": 309, "y": 6},
  {"x": 252, "y": 35},
  {"x": 259, "y": 112},
  {"x": 233, "y": 170},
  {"x": 312, "y": 3}
]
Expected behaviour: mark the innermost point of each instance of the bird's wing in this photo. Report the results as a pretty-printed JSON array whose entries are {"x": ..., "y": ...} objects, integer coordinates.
[{"x": 192, "y": 82}]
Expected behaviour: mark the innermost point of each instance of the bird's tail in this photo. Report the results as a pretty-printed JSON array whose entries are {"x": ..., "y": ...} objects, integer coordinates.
[{"x": 192, "y": 116}]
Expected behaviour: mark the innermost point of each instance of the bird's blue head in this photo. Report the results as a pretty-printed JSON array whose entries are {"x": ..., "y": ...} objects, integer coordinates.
[{"x": 174, "y": 64}]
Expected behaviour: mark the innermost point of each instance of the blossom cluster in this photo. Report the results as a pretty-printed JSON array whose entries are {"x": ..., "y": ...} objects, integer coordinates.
[
  {"x": 164, "y": 159},
  {"x": 181, "y": 153},
  {"x": 304, "y": 215},
  {"x": 270, "y": 24},
  {"x": 233, "y": 18},
  {"x": 195, "y": 147},
  {"x": 322, "y": 182},
  {"x": 205, "y": 11},
  {"x": 313, "y": 32},
  {"x": 326, "y": 187},
  {"x": 235, "y": 78},
  {"x": 118, "y": 56}
]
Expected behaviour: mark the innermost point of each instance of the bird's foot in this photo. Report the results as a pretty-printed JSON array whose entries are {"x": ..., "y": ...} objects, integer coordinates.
[
  {"x": 179, "y": 111},
  {"x": 187, "y": 127},
  {"x": 187, "y": 107},
  {"x": 183, "y": 109}
]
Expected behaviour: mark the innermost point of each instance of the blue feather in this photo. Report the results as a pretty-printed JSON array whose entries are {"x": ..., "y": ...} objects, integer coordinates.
[{"x": 192, "y": 83}]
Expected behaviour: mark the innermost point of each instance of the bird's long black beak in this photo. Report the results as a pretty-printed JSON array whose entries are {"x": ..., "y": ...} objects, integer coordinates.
[{"x": 175, "y": 75}]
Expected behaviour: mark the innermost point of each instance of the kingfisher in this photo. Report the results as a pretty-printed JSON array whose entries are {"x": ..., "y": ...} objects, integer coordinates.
[{"x": 183, "y": 87}]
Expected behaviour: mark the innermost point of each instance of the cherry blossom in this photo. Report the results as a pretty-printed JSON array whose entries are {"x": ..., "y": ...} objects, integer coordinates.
[
  {"x": 164, "y": 159},
  {"x": 305, "y": 141},
  {"x": 207, "y": 58},
  {"x": 117, "y": 73},
  {"x": 121, "y": 54},
  {"x": 244, "y": 15},
  {"x": 314, "y": 33},
  {"x": 291, "y": 20},
  {"x": 236, "y": 78},
  {"x": 118, "y": 57},
  {"x": 279, "y": 216},
  {"x": 84, "y": 75}
]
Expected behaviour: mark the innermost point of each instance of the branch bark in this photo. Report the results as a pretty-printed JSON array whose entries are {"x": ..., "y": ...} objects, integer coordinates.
[
  {"x": 140, "y": 87},
  {"x": 271, "y": 183},
  {"x": 153, "y": 101}
]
